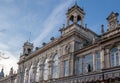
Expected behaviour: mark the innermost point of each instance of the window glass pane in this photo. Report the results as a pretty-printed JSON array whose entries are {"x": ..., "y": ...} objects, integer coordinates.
[
  {"x": 66, "y": 68},
  {"x": 80, "y": 66},
  {"x": 114, "y": 58},
  {"x": 98, "y": 65},
  {"x": 117, "y": 59},
  {"x": 88, "y": 63},
  {"x": 55, "y": 71}
]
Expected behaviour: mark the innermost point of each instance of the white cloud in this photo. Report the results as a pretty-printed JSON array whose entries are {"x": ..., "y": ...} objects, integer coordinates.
[
  {"x": 8, "y": 63},
  {"x": 50, "y": 23}
]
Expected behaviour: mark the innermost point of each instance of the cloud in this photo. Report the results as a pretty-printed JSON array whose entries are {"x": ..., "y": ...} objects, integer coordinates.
[
  {"x": 8, "y": 63},
  {"x": 50, "y": 23}
]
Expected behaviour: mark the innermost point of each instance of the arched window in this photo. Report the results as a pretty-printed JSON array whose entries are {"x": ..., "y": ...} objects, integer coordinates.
[
  {"x": 55, "y": 70},
  {"x": 30, "y": 75},
  {"x": 114, "y": 57},
  {"x": 45, "y": 70},
  {"x": 37, "y": 72}
]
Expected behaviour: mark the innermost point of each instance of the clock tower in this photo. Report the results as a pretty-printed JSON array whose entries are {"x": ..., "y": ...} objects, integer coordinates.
[{"x": 113, "y": 21}]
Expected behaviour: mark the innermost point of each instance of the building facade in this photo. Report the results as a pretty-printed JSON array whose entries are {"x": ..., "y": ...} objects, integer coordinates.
[{"x": 79, "y": 55}]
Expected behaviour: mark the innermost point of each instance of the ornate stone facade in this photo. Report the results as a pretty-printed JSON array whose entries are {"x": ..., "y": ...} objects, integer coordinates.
[{"x": 79, "y": 55}]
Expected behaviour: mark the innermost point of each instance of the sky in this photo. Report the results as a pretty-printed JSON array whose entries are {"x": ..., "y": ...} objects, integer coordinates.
[{"x": 39, "y": 20}]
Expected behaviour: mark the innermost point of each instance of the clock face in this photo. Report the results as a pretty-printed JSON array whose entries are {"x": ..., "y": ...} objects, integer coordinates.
[{"x": 112, "y": 25}]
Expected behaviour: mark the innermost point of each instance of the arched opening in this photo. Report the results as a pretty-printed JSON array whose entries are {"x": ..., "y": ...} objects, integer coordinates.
[
  {"x": 71, "y": 20},
  {"x": 29, "y": 50},
  {"x": 78, "y": 20},
  {"x": 55, "y": 70}
]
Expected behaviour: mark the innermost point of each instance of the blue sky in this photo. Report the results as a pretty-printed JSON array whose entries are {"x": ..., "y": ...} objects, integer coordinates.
[{"x": 43, "y": 18}]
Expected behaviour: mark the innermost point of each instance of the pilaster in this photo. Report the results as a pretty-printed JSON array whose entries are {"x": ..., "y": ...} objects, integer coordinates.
[
  {"x": 61, "y": 74},
  {"x": 94, "y": 61},
  {"x": 27, "y": 76},
  {"x": 119, "y": 52},
  {"x": 108, "y": 57},
  {"x": 102, "y": 58},
  {"x": 34, "y": 73},
  {"x": 71, "y": 65},
  {"x": 41, "y": 72},
  {"x": 82, "y": 22},
  {"x": 50, "y": 69},
  {"x": 75, "y": 19}
]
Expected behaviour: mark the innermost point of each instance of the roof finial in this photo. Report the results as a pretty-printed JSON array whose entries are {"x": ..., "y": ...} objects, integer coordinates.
[
  {"x": 29, "y": 37},
  {"x": 102, "y": 29},
  {"x": 75, "y": 2}
]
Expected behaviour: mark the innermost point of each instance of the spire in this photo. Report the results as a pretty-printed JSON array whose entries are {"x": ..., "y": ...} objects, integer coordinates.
[{"x": 76, "y": 4}]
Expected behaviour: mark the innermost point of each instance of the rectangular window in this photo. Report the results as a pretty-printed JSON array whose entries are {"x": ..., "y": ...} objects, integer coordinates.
[{"x": 66, "y": 68}]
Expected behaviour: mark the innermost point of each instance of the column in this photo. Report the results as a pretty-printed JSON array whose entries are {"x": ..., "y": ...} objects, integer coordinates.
[
  {"x": 94, "y": 61},
  {"x": 61, "y": 74},
  {"x": 27, "y": 76},
  {"x": 50, "y": 69},
  {"x": 102, "y": 58},
  {"x": 71, "y": 65},
  {"x": 34, "y": 73},
  {"x": 18, "y": 76},
  {"x": 75, "y": 19},
  {"x": 119, "y": 52},
  {"x": 41, "y": 72},
  {"x": 82, "y": 22},
  {"x": 108, "y": 58},
  {"x": 67, "y": 21}
]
